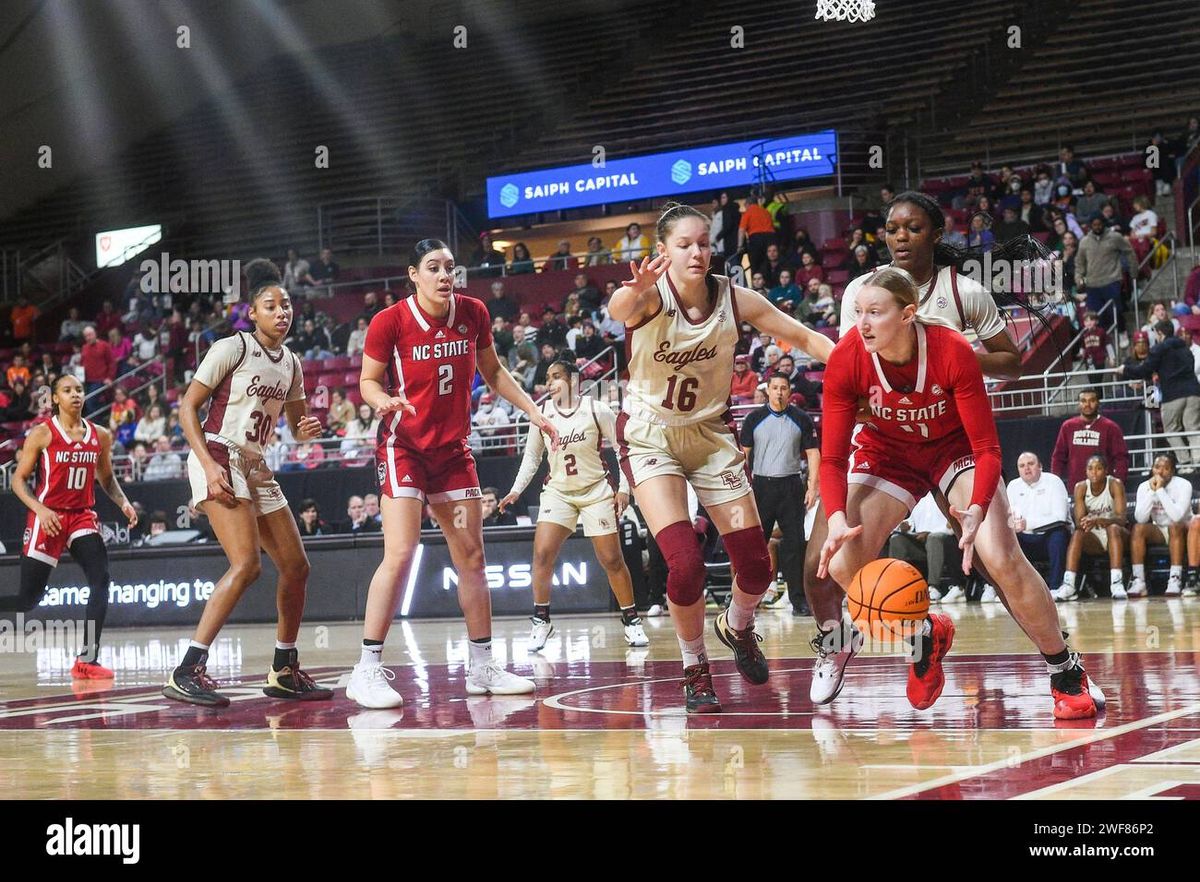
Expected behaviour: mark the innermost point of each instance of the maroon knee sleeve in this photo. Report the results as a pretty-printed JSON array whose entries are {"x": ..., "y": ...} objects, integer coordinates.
[
  {"x": 747, "y": 550},
  {"x": 685, "y": 563}
]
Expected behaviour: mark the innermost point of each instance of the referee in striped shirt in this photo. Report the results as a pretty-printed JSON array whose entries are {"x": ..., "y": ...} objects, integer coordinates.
[{"x": 780, "y": 442}]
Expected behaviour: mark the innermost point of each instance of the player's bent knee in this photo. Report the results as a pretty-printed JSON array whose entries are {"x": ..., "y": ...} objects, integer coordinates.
[
  {"x": 750, "y": 559},
  {"x": 685, "y": 563},
  {"x": 247, "y": 571}
]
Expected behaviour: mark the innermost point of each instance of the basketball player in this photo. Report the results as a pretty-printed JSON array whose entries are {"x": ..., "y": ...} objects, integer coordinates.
[
  {"x": 420, "y": 357},
  {"x": 681, "y": 329},
  {"x": 578, "y": 485},
  {"x": 247, "y": 379},
  {"x": 913, "y": 233},
  {"x": 930, "y": 427},
  {"x": 68, "y": 453},
  {"x": 1100, "y": 521}
]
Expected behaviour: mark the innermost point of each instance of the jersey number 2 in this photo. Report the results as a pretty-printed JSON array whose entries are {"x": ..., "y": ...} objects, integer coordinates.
[
  {"x": 445, "y": 378},
  {"x": 687, "y": 394}
]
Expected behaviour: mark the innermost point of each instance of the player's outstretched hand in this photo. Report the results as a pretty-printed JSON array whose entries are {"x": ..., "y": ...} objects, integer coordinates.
[
  {"x": 548, "y": 427},
  {"x": 131, "y": 513},
  {"x": 308, "y": 428},
  {"x": 393, "y": 404},
  {"x": 970, "y": 520},
  {"x": 839, "y": 535},
  {"x": 646, "y": 274},
  {"x": 507, "y": 501}
]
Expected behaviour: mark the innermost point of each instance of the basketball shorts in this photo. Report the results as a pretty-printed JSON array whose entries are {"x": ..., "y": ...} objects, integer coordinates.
[
  {"x": 597, "y": 506},
  {"x": 442, "y": 474},
  {"x": 705, "y": 454},
  {"x": 1101, "y": 535},
  {"x": 909, "y": 471},
  {"x": 1159, "y": 530},
  {"x": 249, "y": 477},
  {"x": 48, "y": 549}
]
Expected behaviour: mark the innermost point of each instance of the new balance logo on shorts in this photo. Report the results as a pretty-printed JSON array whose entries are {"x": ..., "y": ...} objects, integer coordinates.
[{"x": 652, "y": 461}]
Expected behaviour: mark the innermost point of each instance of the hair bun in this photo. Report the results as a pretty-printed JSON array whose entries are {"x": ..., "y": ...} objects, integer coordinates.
[{"x": 261, "y": 272}]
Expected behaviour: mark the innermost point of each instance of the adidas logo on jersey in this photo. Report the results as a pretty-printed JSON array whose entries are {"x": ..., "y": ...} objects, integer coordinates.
[
  {"x": 906, "y": 400},
  {"x": 439, "y": 335},
  {"x": 408, "y": 479},
  {"x": 864, "y": 465}
]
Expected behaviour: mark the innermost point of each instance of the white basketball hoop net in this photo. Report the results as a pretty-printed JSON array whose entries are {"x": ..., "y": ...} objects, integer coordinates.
[{"x": 845, "y": 10}]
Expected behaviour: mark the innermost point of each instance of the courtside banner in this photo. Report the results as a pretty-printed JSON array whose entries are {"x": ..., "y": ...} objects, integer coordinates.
[{"x": 738, "y": 164}]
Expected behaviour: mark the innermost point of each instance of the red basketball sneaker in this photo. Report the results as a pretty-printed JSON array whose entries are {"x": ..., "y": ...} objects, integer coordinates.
[
  {"x": 1071, "y": 691},
  {"x": 82, "y": 670},
  {"x": 925, "y": 676},
  {"x": 698, "y": 689}
]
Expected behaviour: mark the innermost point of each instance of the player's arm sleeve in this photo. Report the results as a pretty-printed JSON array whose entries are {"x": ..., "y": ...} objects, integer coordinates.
[
  {"x": 381, "y": 337},
  {"x": 220, "y": 360},
  {"x": 749, "y": 424},
  {"x": 1058, "y": 459},
  {"x": 981, "y": 309},
  {"x": 1118, "y": 453},
  {"x": 837, "y": 422},
  {"x": 296, "y": 392},
  {"x": 1141, "y": 511},
  {"x": 1176, "y": 499},
  {"x": 607, "y": 421},
  {"x": 975, "y": 411}
]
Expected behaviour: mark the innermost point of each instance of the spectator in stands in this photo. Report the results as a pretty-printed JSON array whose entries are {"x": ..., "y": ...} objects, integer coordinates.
[
  {"x": 950, "y": 235},
  {"x": 295, "y": 273},
  {"x": 588, "y": 346},
  {"x": 758, "y": 284},
  {"x": 1043, "y": 187},
  {"x": 122, "y": 404},
  {"x": 985, "y": 207},
  {"x": 801, "y": 385},
  {"x": 744, "y": 382},
  {"x": 371, "y": 306},
  {"x": 716, "y": 231},
  {"x": 823, "y": 312},
  {"x": 371, "y": 507},
  {"x": 522, "y": 358},
  {"x": 337, "y": 335},
  {"x": 488, "y": 259},
  {"x": 1098, "y": 268},
  {"x": 597, "y": 255},
  {"x": 883, "y": 255},
  {"x": 1070, "y": 251},
  {"x": 978, "y": 184},
  {"x": 1082, "y": 437},
  {"x": 1162, "y": 512},
  {"x": 309, "y": 521},
  {"x": 1089, "y": 204},
  {"x": 1190, "y": 137},
  {"x": 634, "y": 245},
  {"x": 1100, "y": 520},
  {"x": 571, "y": 311},
  {"x": 785, "y": 295},
  {"x": 305, "y": 455},
  {"x": 803, "y": 244},
  {"x": 356, "y": 518},
  {"x": 1165, "y": 171},
  {"x": 341, "y": 411},
  {"x": 562, "y": 259},
  {"x": 587, "y": 294},
  {"x": 522, "y": 263},
  {"x": 501, "y": 305},
  {"x": 1011, "y": 226},
  {"x": 979, "y": 235},
  {"x": 809, "y": 269},
  {"x": 492, "y": 425},
  {"x": 574, "y": 326},
  {"x": 18, "y": 370},
  {"x": 136, "y": 465},
  {"x": 358, "y": 337},
  {"x": 730, "y": 226},
  {"x": 1158, "y": 313},
  {"x": 502, "y": 336},
  {"x": 860, "y": 262},
  {"x": 492, "y": 516},
  {"x": 165, "y": 464},
  {"x": 71, "y": 327},
  {"x": 145, "y": 343},
  {"x": 1055, "y": 241},
  {"x": 1072, "y": 169},
  {"x": 525, "y": 321},
  {"x": 360, "y": 431},
  {"x": 1008, "y": 194},
  {"x": 175, "y": 430},
  {"x": 553, "y": 330},
  {"x": 1094, "y": 344},
  {"x": 304, "y": 341},
  {"x": 1029, "y": 212},
  {"x": 21, "y": 320},
  {"x": 1171, "y": 359},
  {"x": 106, "y": 319},
  {"x": 756, "y": 231},
  {"x": 325, "y": 270},
  {"x": 772, "y": 265},
  {"x": 99, "y": 367},
  {"x": 549, "y": 356},
  {"x": 152, "y": 425},
  {"x": 926, "y": 540},
  {"x": 16, "y": 404},
  {"x": 1144, "y": 224},
  {"x": 1040, "y": 513}
]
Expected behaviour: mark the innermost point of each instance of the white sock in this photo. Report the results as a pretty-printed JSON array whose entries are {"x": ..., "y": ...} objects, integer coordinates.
[
  {"x": 279, "y": 644},
  {"x": 693, "y": 651},
  {"x": 740, "y": 617},
  {"x": 481, "y": 653},
  {"x": 201, "y": 646},
  {"x": 1069, "y": 578},
  {"x": 1116, "y": 576},
  {"x": 371, "y": 655},
  {"x": 1139, "y": 572},
  {"x": 1176, "y": 574}
]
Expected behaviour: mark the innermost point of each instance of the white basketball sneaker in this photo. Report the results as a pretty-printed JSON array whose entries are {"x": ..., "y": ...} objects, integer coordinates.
[
  {"x": 954, "y": 595},
  {"x": 989, "y": 595},
  {"x": 539, "y": 634},
  {"x": 1064, "y": 592},
  {"x": 1117, "y": 589},
  {"x": 491, "y": 679},
  {"x": 656, "y": 610},
  {"x": 832, "y": 658},
  {"x": 1174, "y": 587},
  {"x": 369, "y": 687},
  {"x": 635, "y": 635},
  {"x": 1137, "y": 588},
  {"x": 934, "y": 595}
]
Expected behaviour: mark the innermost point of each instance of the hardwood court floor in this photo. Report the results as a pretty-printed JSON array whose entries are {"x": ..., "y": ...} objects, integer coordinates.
[{"x": 607, "y": 721}]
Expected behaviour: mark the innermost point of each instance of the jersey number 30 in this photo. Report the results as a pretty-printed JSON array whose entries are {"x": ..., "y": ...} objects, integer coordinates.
[{"x": 262, "y": 428}]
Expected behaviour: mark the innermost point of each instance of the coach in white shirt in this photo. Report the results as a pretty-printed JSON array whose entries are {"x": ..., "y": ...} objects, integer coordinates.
[
  {"x": 1164, "y": 507},
  {"x": 1041, "y": 515}
]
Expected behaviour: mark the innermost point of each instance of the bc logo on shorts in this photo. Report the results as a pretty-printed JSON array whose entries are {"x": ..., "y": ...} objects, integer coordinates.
[
  {"x": 731, "y": 480},
  {"x": 381, "y": 473}
]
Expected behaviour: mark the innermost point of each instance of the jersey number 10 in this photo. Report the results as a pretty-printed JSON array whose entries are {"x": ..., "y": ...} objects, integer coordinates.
[{"x": 76, "y": 478}]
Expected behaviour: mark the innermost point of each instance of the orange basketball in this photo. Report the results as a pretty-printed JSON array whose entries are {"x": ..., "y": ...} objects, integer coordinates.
[{"x": 887, "y": 597}]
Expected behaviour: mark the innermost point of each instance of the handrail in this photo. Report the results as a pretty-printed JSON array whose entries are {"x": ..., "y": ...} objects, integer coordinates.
[
  {"x": 1169, "y": 239},
  {"x": 1191, "y": 225},
  {"x": 1112, "y": 329}
]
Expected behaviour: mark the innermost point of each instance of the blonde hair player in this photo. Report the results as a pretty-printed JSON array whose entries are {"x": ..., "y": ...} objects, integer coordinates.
[
  {"x": 681, "y": 328},
  {"x": 247, "y": 380},
  {"x": 578, "y": 486},
  {"x": 930, "y": 427}
]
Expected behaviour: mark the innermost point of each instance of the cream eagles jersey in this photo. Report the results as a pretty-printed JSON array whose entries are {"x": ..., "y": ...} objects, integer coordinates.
[
  {"x": 250, "y": 385},
  {"x": 679, "y": 370},
  {"x": 949, "y": 299},
  {"x": 576, "y": 466}
]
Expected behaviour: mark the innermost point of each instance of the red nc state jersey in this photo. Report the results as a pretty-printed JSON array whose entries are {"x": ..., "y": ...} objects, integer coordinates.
[
  {"x": 67, "y": 469},
  {"x": 431, "y": 362}
]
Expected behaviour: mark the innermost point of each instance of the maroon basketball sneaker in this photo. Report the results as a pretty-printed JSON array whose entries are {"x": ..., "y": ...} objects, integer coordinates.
[
  {"x": 1072, "y": 692},
  {"x": 698, "y": 687},
  {"x": 926, "y": 677}
]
